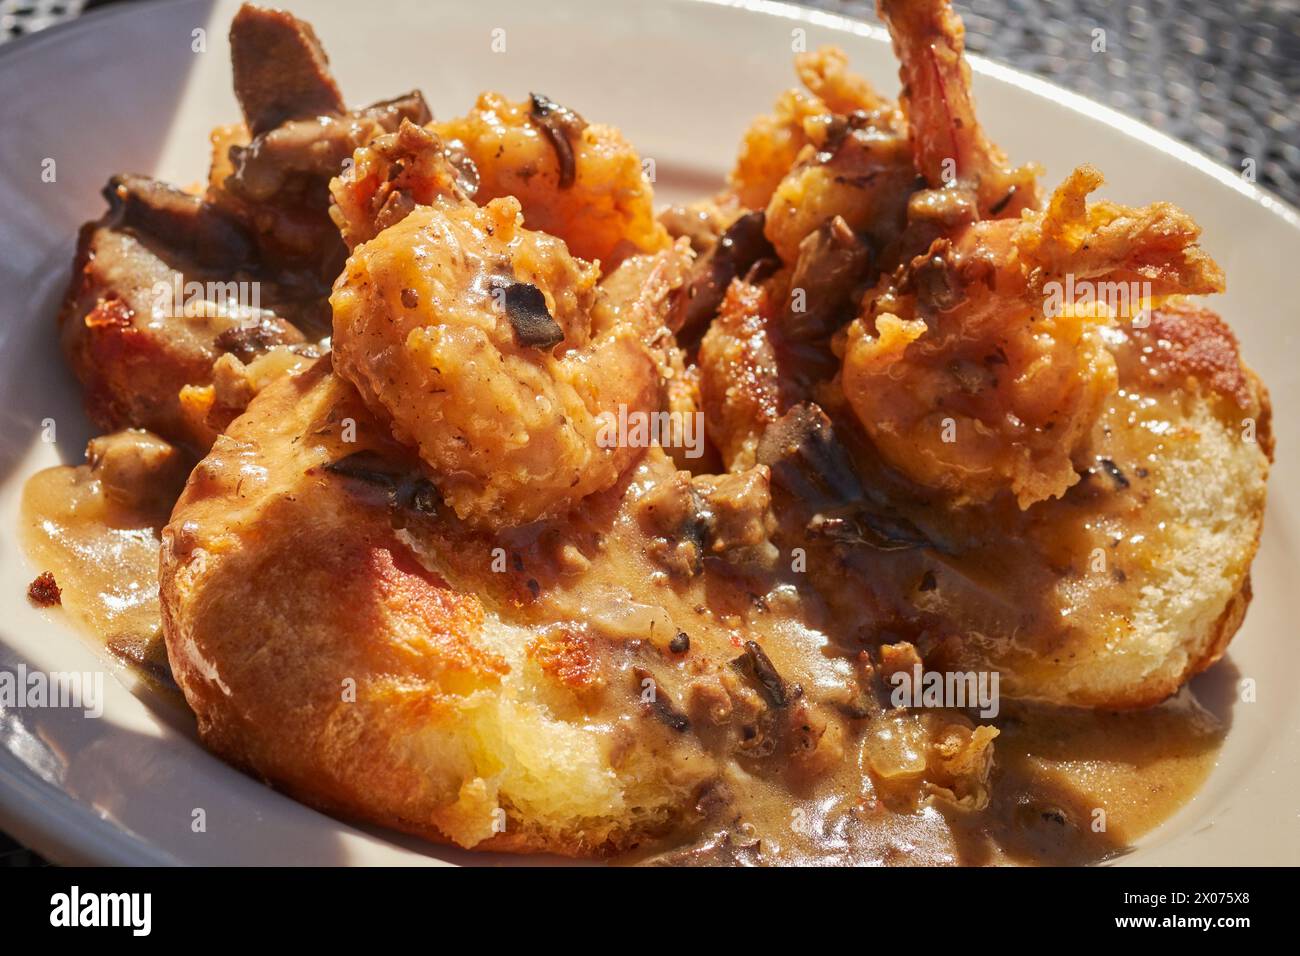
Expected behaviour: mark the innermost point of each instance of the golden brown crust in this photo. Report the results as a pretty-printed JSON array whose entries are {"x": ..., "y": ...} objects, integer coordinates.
[
  {"x": 1224, "y": 630},
  {"x": 568, "y": 656},
  {"x": 250, "y": 599},
  {"x": 1198, "y": 346},
  {"x": 319, "y": 650},
  {"x": 1195, "y": 343},
  {"x": 741, "y": 390}
]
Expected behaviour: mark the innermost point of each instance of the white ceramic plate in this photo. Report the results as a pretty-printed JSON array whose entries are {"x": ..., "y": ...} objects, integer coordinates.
[{"x": 123, "y": 90}]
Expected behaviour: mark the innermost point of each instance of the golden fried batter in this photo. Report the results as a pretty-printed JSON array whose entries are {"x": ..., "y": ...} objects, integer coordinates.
[
  {"x": 487, "y": 344},
  {"x": 588, "y": 189},
  {"x": 773, "y": 142},
  {"x": 741, "y": 388}
]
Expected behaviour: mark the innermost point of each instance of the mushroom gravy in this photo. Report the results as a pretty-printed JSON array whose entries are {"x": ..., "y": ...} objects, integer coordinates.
[
  {"x": 1066, "y": 786},
  {"x": 95, "y": 528}
]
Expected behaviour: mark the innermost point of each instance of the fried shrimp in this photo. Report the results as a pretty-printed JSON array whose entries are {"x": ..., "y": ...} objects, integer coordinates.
[
  {"x": 973, "y": 372},
  {"x": 949, "y": 146},
  {"x": 576, "y": 180},
  {"x": 826, "y": 74},
  {"x": 487, "y": 345},
  {"x": 742, "y": 388},
  {"x": 774, "y": 142},
  {"x": 807, "y": 129},
  {"x": 783, "y": 529}
]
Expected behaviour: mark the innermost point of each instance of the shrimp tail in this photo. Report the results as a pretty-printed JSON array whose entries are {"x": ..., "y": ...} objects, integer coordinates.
[{"x": 948, "y": 144}]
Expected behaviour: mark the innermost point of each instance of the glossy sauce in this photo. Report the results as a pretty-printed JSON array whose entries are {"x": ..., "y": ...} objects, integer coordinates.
[
  {"x": 1054, "y": 770},
  {"x": 102, "y": 549},
  {"x": 1068, "y": 788}
]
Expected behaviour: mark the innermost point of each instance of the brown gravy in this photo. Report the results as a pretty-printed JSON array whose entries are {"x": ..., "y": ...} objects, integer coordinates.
[
  {"x": 103, "y": 552},
  {"x": 1067, "y": 787}
]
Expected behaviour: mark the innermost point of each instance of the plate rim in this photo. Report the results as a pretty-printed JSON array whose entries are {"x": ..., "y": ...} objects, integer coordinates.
[{"x": 67, "y": 830}]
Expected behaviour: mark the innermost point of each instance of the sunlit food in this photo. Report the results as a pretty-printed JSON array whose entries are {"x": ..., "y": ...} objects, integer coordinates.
[{"x": 975, "y": 491}]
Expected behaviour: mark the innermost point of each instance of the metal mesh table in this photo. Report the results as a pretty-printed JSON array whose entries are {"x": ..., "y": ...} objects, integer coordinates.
[{"x": 20, "y": 17}]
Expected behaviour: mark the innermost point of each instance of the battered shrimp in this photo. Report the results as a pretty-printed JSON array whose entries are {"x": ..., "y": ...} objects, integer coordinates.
[
  {"x": 773, "y": 142},
  {"x": 741, "y": 387},
  {"x": 859, "y": 168},
  {"x": 832, "y": 173},
  {"x": 974, "y": 373},
  {"x": 576, "y": 180},
  {"x": 771, "y": 145},
  {"x": 487, "y": 345},
  {"x": 948, "y": 144},
  {"x": 826, "y": 74}
]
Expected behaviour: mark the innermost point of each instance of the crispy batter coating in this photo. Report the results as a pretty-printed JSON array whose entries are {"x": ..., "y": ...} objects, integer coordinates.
[
  {"x": 864, "y": 176},
  {"x": 775, "y": 141},
  {"x": 966, "y": 376},
  {"x": 826, "y": 74},
  {"x": 489, "y": 346},
  {"x": 510, "y": 427},
  {"x": 771, "y": 145},
  {"x": 741, "y": 387},
  {"x": 606, "y": 213}
]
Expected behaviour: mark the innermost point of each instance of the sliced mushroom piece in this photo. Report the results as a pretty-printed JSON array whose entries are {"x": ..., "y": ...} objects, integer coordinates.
[
  {"x": 525, "y": 306},
  {"x": 861, "y": 527},
  {"x": 697, "y": 222},
  {"x": 757, "y": 666},
  {"x": 246, "y": 342},
  {"x": 279, "y": 183},
  {"x": 660, "y": 705},
  {"x": 832, "y": 261},
  {"x": 408, "y": 490},
  {"x": 807, "y": 460},
  {"x": 561, "y": 126},
  {"x": 741, "y": 247},
  {"x": 315, "y": 148},
  {"x": 182, "y": 222},
  {"x": 281, "y": 71},
  {"x": 810, "y": 463}
]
